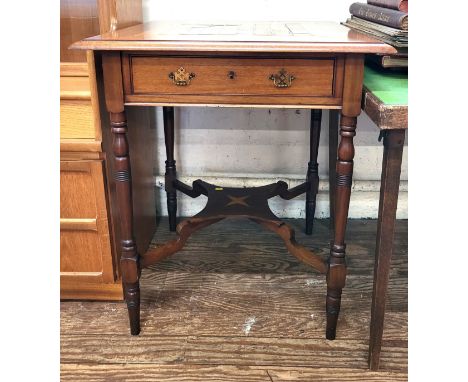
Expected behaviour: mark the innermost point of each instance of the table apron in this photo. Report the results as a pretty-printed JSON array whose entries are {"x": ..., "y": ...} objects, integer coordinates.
[{"x": 312, "y": 82}]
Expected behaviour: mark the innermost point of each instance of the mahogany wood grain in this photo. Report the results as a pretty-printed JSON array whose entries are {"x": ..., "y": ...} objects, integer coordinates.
[
  {"x": 184, "y": 230},
  {"x": 129, "y": 258},
  {"x": 196, "y": 103},
  {"x": 390, "y": 181},
  {"x": 232, "y": 47},
  {"x": 333, "y": 122},
  {"x": 234, "y": 101},
  {"x": 122, "y": 178},
  {"x": 354, "y": 72},
  {"x": 317, "y": 80},
  {"x": 327, "y": 53},
  {"x": 113, "y": 88},
  {"x": 141, "y": 135},
  {"x": 150, "y": 75},
  {"x": 316, "y": 36},
  {"x": 352, "y": 86},
  {"x": 297, "y": 250}
]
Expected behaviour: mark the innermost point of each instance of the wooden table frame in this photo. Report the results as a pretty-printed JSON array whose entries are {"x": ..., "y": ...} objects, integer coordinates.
[
  {"x": 131, "y": 262},
  {"x": 329, "y": 67}
]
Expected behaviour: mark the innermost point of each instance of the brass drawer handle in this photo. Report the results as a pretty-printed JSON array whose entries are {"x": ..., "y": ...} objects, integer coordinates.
[
  {"x": 181, "y": 77},
  {"x": 282, "y": 79}
]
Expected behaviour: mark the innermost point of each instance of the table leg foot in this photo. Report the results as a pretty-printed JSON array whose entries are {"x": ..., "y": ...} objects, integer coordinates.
[
  {"x": 333, "y": 310},
  {"x": 336, "y": 277},
  {"x": 132, "y": 298}
]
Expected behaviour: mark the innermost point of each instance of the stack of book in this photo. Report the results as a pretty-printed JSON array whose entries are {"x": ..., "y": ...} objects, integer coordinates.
[{"x": 385, "y": 20}]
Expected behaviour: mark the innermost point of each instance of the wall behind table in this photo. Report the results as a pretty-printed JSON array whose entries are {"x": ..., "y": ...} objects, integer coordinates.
[{"x": 248, "y": 147}]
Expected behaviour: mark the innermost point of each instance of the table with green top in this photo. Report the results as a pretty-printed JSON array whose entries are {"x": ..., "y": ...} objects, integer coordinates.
[{"x": 385, "y": 101}]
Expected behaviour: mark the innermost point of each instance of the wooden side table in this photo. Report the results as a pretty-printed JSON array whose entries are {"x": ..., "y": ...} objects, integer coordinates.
[
  {"x": 315, "y": 65},
  {"x": 385, "y": 101}
]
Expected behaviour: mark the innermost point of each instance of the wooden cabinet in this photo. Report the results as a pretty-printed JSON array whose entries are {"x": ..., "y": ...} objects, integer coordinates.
[
  {"x": 84, "y": 223},
  {"x": 89, "y": 233}
]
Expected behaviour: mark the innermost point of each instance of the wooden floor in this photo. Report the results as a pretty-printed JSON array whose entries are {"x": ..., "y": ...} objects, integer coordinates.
[{"x": 235, "y": 306}]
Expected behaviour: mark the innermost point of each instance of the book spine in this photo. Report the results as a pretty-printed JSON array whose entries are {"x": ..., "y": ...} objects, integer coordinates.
[
  {"x": 399, "y": 5},
  {"x": 384, "y": 16},
  {"x": 387, "y": 62}
]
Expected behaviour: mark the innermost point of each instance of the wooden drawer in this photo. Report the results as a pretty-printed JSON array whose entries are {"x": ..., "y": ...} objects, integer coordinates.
[
  {"x": 79, "y": 115},
  {"x": 85, "y": 250},
  {"x": 233, "y": 80},
  {"x": 76, "y": 119},
  {"x": 75, "y": 87}
]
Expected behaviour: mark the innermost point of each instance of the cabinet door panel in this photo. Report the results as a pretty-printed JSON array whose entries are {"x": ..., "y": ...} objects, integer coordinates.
[
  {"x": 80, "y": 252},
  {"x": 85, "y": 251}
]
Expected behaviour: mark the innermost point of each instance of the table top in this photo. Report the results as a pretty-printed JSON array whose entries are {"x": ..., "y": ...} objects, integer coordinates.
[{"x": 307, "y": 36}]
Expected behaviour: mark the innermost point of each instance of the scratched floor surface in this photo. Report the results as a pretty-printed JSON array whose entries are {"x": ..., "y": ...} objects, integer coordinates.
[{"x": 235, "y": 306}]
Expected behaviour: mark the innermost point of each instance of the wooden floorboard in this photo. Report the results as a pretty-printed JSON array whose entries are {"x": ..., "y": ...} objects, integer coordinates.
[
  {"x": 235, "y": 306},
  {"x": 109, "y": 318},
  {"x": 202, "y": 373}
]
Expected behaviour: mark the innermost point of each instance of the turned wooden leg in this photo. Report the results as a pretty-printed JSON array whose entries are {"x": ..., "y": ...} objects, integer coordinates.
[
  {"x": 337, "y": 266},
  {"x": 336, "y": 276},
  {"x": 129, "y": 260},
  {"x": 171, "y": 172},
  {"x": 390, "y": 182},
  {"x": 312, "y": 170},
  {"x": 333, "y": 123},
  {"x": 129, "y": 257}
]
